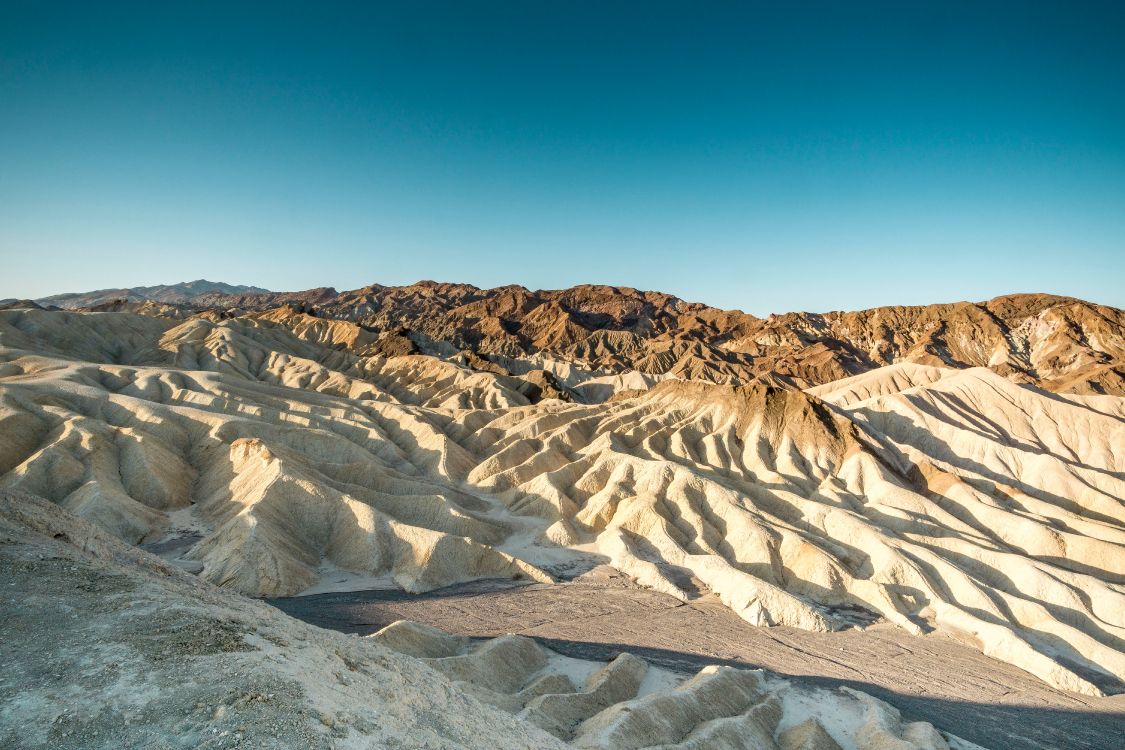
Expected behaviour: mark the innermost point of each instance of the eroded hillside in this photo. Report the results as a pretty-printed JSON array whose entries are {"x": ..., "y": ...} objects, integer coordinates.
[
  {"x": 264, "y": 450},
  {"x": 1059, "y": 343}
]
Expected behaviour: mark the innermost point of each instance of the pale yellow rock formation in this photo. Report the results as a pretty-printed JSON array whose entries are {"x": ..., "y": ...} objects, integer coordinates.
[
  {"x": 948, "y": 500},
  {"x": 720, "y": 708}
]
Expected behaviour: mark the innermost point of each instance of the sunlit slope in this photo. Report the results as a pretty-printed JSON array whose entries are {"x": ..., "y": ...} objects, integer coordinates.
[
  {"x": 788, "y": 509},
  {"x": 281, "y": 460},
  {"x": 939, "y": 499},
  {"x": 884, "y": 381}
]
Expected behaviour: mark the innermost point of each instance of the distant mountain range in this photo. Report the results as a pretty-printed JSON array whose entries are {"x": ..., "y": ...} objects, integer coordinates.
[
  {"x": 168, "y": 293},
  {"x": 1060, "y": 343}
]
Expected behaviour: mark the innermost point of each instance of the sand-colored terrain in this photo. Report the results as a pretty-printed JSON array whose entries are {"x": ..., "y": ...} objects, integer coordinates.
[
  {"x": 106, "y": 646},
  {"x": 270, "y": 447},
  {"x": 627, "y": 703}
]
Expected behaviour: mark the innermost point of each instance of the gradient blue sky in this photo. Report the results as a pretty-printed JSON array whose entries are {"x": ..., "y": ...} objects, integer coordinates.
[{"x": 767, "y": 158}]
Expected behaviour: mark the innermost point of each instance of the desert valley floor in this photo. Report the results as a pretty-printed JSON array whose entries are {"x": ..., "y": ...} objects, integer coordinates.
[{"x": 597, "y": 516}]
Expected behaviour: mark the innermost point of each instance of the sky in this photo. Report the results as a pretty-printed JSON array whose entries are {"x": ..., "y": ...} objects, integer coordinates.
[{"x": 760, "y": 156}]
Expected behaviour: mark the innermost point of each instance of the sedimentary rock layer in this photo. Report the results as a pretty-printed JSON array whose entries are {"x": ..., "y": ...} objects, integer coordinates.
[{"x": 275, "y": 445}]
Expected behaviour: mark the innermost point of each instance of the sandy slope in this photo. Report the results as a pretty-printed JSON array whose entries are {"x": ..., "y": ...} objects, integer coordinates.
[
  {"x": 1009, "y": 535},
  {"x": 956, "y": 501}
]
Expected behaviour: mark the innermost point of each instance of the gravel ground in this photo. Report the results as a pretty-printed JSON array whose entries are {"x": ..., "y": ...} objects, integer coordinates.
[{"x": 934, "y": 679}]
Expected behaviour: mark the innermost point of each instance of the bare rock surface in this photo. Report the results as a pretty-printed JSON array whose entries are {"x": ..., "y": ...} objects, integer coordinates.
[
  {"x": 620, "y": 706},
  {"x": 1060, "y": 343}
]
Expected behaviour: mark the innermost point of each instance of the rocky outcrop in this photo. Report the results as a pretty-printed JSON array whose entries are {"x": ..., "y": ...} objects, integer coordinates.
[
  {"x": 1060, "y": 343},
  {"x": 616, "y": 708}
]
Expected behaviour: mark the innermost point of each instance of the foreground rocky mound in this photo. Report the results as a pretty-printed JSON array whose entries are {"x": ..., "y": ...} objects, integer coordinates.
[
  {"x": 1059, "y": 343},
  {"x": 106, "y": 647},
  {"x": 265, "y": 450},
  {"x": 628, "y": 704}
]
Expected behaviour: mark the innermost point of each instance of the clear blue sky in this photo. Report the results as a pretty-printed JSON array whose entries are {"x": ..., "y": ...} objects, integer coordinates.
[{"x": 831, "y": 156}]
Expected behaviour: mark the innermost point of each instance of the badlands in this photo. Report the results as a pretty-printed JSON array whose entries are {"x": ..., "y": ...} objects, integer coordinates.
[{"x": 615, "y": 506}]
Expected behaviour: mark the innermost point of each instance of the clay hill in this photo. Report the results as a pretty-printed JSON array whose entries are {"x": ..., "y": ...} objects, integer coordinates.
[
  {"x": 952, "y": 474},
  {"x": 1061, "y": 344}
]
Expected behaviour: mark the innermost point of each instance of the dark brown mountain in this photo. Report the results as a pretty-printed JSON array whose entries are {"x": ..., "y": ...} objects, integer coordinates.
[{"x": 1061, "y": 343}]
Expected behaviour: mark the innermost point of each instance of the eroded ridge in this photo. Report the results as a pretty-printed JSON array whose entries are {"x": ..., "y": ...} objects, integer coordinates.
[
  {"x": 628, "y": 704},
  {"x": 265, "y": 450}
]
